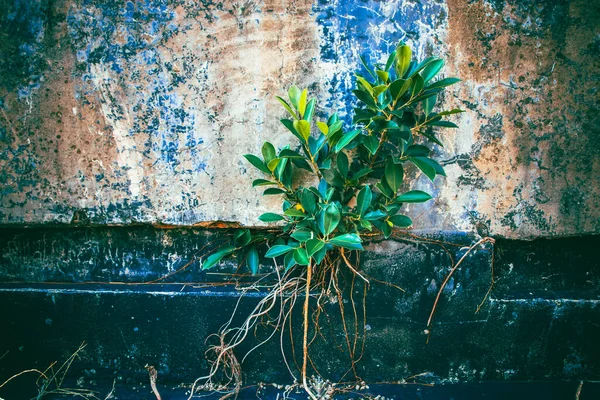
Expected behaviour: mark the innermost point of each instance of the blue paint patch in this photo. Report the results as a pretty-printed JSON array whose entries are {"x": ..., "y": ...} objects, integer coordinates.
[{"x": 372, "y": 29}]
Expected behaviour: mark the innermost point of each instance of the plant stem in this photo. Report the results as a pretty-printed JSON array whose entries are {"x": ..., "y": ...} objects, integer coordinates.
[{"x": 305, "y": 340}]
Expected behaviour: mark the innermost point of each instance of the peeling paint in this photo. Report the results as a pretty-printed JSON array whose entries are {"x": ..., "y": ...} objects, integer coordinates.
[{"x": 120, "y": 112}]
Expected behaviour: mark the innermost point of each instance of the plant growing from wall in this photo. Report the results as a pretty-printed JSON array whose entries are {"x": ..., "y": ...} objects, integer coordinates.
[{"x": 351, "y": 192}]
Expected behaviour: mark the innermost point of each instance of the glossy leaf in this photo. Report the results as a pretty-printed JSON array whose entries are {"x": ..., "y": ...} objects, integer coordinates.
[
  {"x": 443, "y": 83},
  {"x": 399, "y": 87},
  {"x": 365, "y": 98},
  {"x": 350, "y": 241},
  {"x": 301, "y": 256},
  {"x": 257, "y": 162},
  {"x": 252, "y": 260},
  {"x": 432, "y": 69},
  {"x": 273, "y": 164},
  {"x": 302, "y": 235},
  {"x": 444, "y": 124},
  {"x": 278, "y": 250},
  {"x": 271, "y": 217},
  {"x": 288, "y": 261},
  {"x": 401, "y": 221},
  {"x": 314, "y": 245},
  {"x": 428, "y": 104},
  {"x": 294, "y": 94},
  {"x": 329, "y": 219},
  {"x": 302, "y": 102},
  {"x": 394, "y": 174},
  {"x": 303, "y": 128},
  {"x": 268, "y": 152},
  {"x": 287, "y": 107},
  {"x": 323, "y": 127},
  {"x": 271, "y": 191},
  {"x": 262, "y": 182},
  {"x": 214, "y": 258},
  {"x": 403, "y": 56},
  {"x": 371, "y": 143},
  {"x": 342, "y": 164},
  {"x": 346, "y": 139},
  {"x": 414, "y": 196},
  {"x": 363, "y": 200},
  {"x": 310, "y": 109}
]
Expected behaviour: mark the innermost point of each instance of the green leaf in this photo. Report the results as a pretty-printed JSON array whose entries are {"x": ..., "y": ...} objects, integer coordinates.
[
  {"x": 414, "y": 196},
  {"x": 310, "y": 109},
  {"x": 390, "y": 61},
  {"x": 289, "y": 261},
  {"x": 364, "y": 63},
  {"x": 428, "y": 104},
  {"x": 342, "y": 164},
  {"x": 287, "y": 153},
  {"x": 365, "y": 84},
  {"x": 303, "y": 128},
  {"x": 302, "y": 102},
  {"x": 262, "y": 182},
  {"x": 302, "y": 235},
  {"x": 270, "y": 217},
  {"x": 308, "y": 201},
  {"x": 450, "y": 112},
  {"x": 443, "y": 83},
  {"x": 394, "y": 175},
  {"x": 371, "y": 143},
  {"x": 294, "y": 93},
  {"x": 329, "y": 219},
  {"x": 271, "y": 191},
  {"x": 401, "y": 221},
  {"x": 287, "y": 107},
  {"x": 323, "y": 127},
  {"x": 399, "y": 87},
  {"x": 214, "y": 258},
  {"x": 242, "y": 237},
  {"x": 383, "y": 75},
  {"x": 300, "y": 256},
  {"x": 365, "y": 98},
  {"x": 363, "y": 200},
  {"x": 385, "y": 229},
  {"x": 361, "y": 173},
  {"x": 268, "y": 152},
  {"x": 273, "y": 164},
  {"x": 346, "y": 139},
  {"x": 278, "y": 250},
  {"x": 257, "y": 162},
  {"x": 334, "y": 127},
  {"x": 366, "y": 224},
  {"x": 432, "y": 69},
  {"x": 417, "y": 150},
  {"x": 384, "y": 188},
  {"x": 424, "y": 166},
  {"x": 252, "y": 260},
  {"x": 377, "y": 90},
  {"x": 293, "y": 212},
  {"x": 288, "y": 123},
  {"x": 350, "y": 241},
  {"x": 403, "y": 56},
  {"x": 374, "y": 215},
  {"x": 444, "y": 124},
  {"x": 418, "y": 84},
  {"x": 314, "y": 245}
]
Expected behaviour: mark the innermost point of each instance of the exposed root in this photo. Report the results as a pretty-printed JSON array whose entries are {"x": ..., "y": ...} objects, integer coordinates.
[
  {"x": 439, "y": 294},
  {"x": 153, "y": 377}
]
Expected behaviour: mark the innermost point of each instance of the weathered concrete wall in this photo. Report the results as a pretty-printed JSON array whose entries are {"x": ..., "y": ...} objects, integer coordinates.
[{"x": 114, "y": 112}]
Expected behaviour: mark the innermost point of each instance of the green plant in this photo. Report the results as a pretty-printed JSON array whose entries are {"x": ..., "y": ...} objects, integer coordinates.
[{"x": 356, "y": 177}]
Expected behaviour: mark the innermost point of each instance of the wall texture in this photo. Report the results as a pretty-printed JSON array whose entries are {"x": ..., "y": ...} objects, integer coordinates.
[{"x": 119, "y": 112}]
